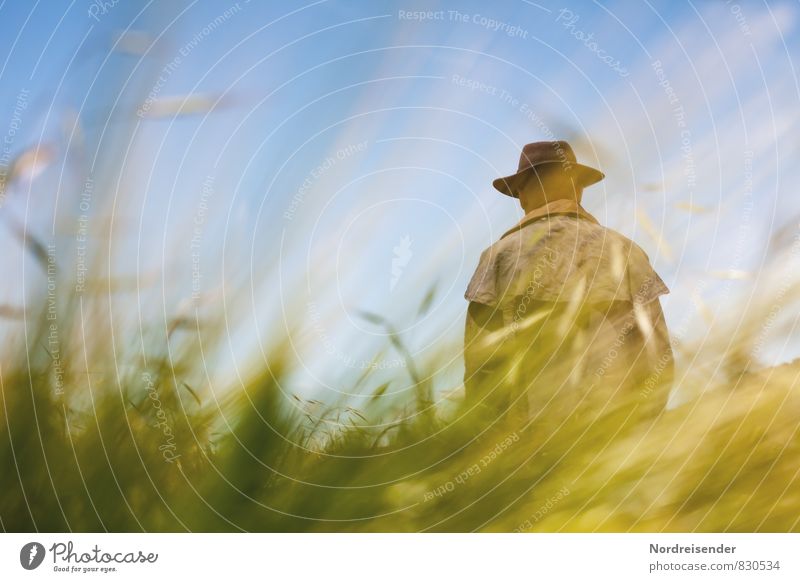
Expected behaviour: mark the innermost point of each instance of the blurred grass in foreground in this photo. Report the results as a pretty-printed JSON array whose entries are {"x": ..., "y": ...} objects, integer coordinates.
[{"x": 138, "y": 449}]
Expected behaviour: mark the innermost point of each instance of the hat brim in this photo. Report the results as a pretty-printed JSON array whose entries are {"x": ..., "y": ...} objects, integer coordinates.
[{"x": 584, "y": 176}]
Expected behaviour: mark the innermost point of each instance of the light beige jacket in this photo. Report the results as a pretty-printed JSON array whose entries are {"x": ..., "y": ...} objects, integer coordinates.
[{"x": 591, "y": 282}]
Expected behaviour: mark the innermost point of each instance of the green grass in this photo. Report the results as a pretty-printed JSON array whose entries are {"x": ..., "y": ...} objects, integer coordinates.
[
  {"x": 97, "y": 456},
  {"x": 104, "y": 431}
]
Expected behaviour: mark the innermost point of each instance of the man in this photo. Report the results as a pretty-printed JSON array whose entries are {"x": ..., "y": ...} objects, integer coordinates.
[{"x": 564, "y": 314}]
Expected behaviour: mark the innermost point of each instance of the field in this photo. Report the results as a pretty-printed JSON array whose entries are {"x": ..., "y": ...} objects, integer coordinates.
[{"x": 140, "y": 448}]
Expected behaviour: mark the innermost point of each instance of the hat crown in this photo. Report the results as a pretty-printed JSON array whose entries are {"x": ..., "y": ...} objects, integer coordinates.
[
  {"x": 544, "y": 153},
  {"x": 541, "y": 152}
]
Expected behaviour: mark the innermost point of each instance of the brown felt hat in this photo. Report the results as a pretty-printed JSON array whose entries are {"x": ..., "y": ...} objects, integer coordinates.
[{"x": 541, "y": 153}]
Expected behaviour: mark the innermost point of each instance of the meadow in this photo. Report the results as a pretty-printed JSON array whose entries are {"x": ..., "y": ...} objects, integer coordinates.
[{"x": 142, "y": 448}]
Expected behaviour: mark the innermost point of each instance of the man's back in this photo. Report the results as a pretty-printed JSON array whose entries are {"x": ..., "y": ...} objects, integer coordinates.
[{"x": 561, "y": 305}]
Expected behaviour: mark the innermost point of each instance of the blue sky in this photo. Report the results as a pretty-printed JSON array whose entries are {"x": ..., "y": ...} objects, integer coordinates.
[{"x": 408, "y": 119}]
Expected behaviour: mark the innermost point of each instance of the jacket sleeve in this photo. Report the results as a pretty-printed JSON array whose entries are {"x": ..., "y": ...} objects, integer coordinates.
[
  {"x": 479, "y": 364},
  {"x": 659, "y": 351}
]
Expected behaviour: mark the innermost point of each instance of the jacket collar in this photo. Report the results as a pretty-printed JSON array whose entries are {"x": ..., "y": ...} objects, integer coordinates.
[{"x": 562, "y": 206}]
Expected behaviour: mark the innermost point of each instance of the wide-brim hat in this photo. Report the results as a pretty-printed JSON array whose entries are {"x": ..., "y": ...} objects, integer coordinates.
[{"x": 546, "y": 153}]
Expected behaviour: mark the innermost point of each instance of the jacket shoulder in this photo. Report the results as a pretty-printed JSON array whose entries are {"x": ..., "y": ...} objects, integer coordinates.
[{"x": 562, "y": 257}]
